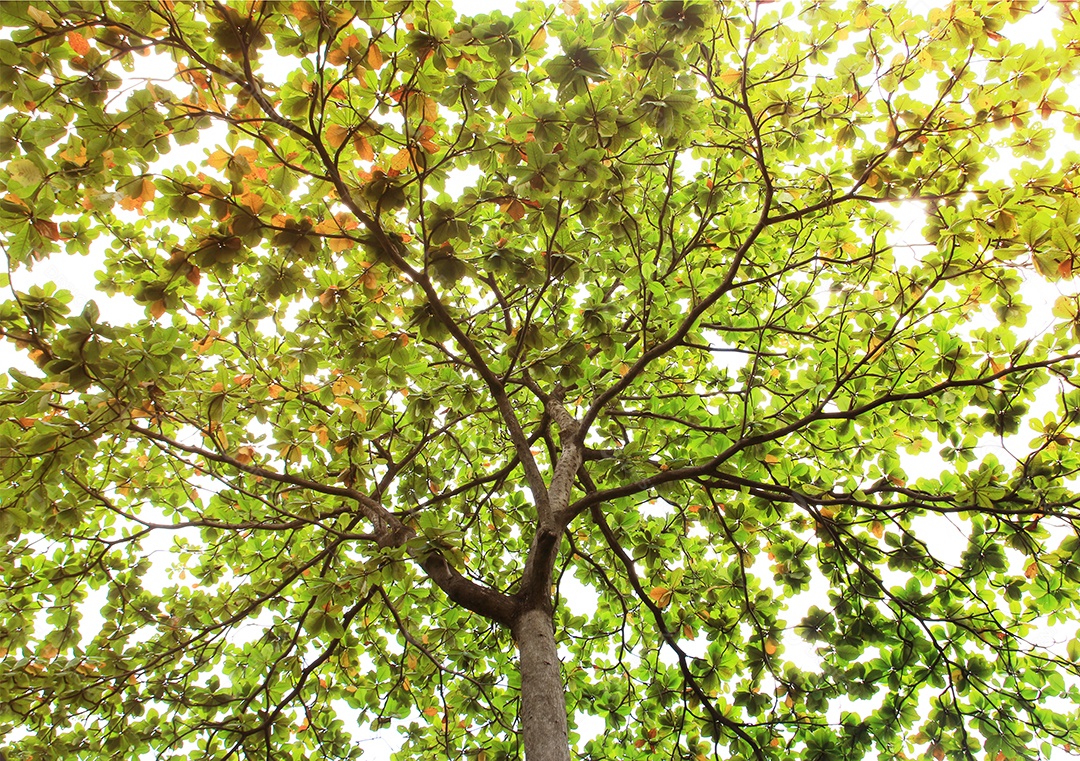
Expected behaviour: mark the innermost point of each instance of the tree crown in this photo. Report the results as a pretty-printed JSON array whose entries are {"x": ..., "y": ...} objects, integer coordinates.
[{"x": 461, "y": 316}]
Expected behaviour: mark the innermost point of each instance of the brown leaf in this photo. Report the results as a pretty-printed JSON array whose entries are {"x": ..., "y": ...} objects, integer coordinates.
[
  {"x": 47, "y": 229},
  {"x": 516, "y": 209}
]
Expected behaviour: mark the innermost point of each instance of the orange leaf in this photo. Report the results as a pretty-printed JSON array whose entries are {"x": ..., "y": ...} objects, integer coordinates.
[
  {"x": 78, "y": 43},
  {"x": 431, "y": 711},
  {"x": 1032, "y": 570},
  {"x": 336, "y": 135},
  {"x": 431, "y": 109},
  {"x": 363, "y": 148},
  {"x": 274, "y": 390},
  {"x": 157, "y": 308},
  {"x": 374, "y": 57},
  {"x": 770, "y": 647},
  {"x": 877, "y": 529},
  {"x": 661, "y": 596}
]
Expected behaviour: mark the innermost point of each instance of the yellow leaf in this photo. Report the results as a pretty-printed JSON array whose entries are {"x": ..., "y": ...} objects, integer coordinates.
[
  {"x": 219, "y": 159},
  {"x": 770, "y": 647},
  {"x": 772, "y": 459},
  {"x": 875, "y": 348},
  {"x": 731, "y": 76},
  {"x": 539, "y": 39},
  {"x": 571, "y": 7},
  {"x": 43, "y": 19},
  {"x": 48, "y": 652},
  {"x": 401, "y": 160}
]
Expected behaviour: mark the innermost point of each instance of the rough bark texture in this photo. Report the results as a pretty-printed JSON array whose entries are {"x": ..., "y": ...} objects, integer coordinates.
[{"x": 543, "y": 704}]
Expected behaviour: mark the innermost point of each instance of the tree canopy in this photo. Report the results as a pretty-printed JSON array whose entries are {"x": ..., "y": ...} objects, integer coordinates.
[{"x": 557, "y": 382}]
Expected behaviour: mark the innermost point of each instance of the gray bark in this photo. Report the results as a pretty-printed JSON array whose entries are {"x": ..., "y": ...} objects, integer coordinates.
[{"x": 543, "y": 702}]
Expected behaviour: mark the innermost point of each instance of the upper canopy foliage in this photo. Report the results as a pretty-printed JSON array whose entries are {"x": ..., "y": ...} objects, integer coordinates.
[{"x": 443, "y": 313}]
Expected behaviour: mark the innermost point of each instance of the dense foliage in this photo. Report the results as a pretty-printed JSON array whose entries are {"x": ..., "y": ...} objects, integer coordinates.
[{"x": 463, "y": 338}]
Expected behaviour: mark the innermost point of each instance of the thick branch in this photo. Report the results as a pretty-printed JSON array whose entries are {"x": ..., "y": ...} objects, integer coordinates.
[
  {"x": 389, "y": 532},
  {"x": 817, "y": 414}
]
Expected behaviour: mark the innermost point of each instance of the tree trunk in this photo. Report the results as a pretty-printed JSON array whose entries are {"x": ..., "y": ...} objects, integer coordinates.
[{"x": 543, "y": 702}]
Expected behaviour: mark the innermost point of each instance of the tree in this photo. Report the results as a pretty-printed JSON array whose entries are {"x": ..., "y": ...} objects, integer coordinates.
[{"x": 484, "y": 382}]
